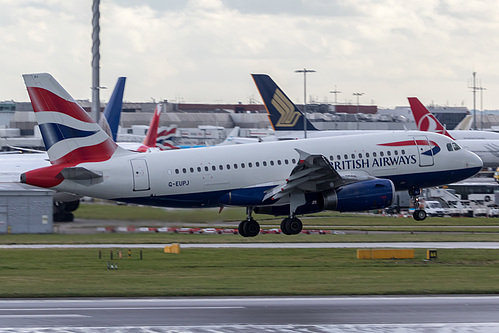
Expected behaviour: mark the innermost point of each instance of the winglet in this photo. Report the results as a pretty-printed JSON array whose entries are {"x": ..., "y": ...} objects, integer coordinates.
[
  {"x": 283, "y": 113},
  {"x": 425, "y": 120}
]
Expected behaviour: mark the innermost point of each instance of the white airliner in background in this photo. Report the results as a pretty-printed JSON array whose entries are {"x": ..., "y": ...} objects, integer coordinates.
[
  {"x": 354, "y": 173},
  {"x": 483, "y": 143},
  {"x": 287, "y": 121}
]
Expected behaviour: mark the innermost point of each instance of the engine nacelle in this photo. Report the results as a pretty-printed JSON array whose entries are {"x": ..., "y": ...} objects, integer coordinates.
[{"x": 359, "y": 196}]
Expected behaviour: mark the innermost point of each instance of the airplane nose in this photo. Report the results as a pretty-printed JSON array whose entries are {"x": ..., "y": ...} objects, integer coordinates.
[{"x": 472, "y": 160}]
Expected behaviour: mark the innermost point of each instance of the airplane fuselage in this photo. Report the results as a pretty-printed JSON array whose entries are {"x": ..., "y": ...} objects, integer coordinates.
[{"x": 201, "y": 177}]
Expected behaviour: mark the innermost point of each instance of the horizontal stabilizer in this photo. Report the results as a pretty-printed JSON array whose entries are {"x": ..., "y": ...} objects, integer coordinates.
[{"x": 79, "y": 173}]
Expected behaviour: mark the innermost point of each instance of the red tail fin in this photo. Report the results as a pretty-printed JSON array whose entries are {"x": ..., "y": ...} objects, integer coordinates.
[{"x": 425, "y": 120}]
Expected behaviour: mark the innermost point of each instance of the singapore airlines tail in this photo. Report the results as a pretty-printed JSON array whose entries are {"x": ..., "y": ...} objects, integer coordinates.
[
  {"x": 425, "y": 120},
  {"x": 283, "y": 113}
]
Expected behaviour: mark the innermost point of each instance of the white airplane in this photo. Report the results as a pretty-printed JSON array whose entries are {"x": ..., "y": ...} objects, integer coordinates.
[
  {"x": 354, "y": 173},
  {"x": 483, "y": 143}
]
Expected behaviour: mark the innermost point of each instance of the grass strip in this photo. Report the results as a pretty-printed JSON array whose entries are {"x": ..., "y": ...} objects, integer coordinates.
[{"x": 244, "y": 272}]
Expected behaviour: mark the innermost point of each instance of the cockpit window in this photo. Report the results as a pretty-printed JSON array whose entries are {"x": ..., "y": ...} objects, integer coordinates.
[
  {"x": 449, "y": 147},
  {"x": 456, "y": 146}
]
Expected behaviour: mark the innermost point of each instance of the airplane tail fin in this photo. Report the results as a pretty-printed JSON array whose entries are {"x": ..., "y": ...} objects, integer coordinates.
[
  {"x": 164, "y": 140},
  {"x": 465, "y": 124},
  {"x": 425, "y": 120},
  {"x": 152, "y": 132},
  {"x": 112, "y": 112},
  {"x": 283, "y": 114},
  {"x": 70, "y": 135}
]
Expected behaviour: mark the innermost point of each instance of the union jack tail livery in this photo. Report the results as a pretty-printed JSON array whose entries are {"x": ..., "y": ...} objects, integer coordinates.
[
  {"x": 425, "y": 120},
  {"x": 70, "y": 135},
  {"x": 282, "y": 112}
]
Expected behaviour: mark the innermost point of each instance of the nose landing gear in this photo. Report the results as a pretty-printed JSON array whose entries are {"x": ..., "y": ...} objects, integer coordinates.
[{"x": 419, "y": 214}]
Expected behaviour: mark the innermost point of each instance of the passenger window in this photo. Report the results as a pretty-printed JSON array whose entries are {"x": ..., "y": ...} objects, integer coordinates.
[
  {"x": 199, "y": 169},
  {"x": 191, "y": 169},
  {"x": 177, "y": 171},
  {"x": 353, "y": 156},
  {"x": 381, "y": 153},
  {"x": 287, "y": 162},
  {"x": 389, "y": 153},
  {"x": 279, "y": 162},
  {"x": 294, "y": 161},
  {"x": 206, "y": 168},
  {"x": 345, "y": 156},
  {"x": 360, "y": 155},
  {"x": 374, "y": 154},
  {"x": 257, "y": 164},
  {"x": 228, "y": 166},
  {"x": 403, "y": 152},
  {"x": 213, "y": 168},
  {"x": 456, "y": 146},
  {"x": 221, "y": 167},
  {"x": 330, "y": 158},
  {"x": 250, "y": 165},
  {"x": 367, "y": 154},
  {"x": 169, "y": 171},
  {"x": 338, "y": 157},
  {"x": 235, "y": 166},
  {"x": 264, "y": 163},
  {"x": 396, "y": 152},
  {"x": 184, "y": 170},
  {"x": 449, "y": 147},
  {"x": 272, "y": 163},
  {"x": 242, "y": 165}
]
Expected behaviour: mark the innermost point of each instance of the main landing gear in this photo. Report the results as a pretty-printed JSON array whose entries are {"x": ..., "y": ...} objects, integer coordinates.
[
  {"x": 249, "y": 227},
  {"x": 291, "y": 226},
  {"x": 419, "y": 214}
]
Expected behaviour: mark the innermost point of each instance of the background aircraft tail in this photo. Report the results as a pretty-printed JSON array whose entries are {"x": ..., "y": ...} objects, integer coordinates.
[
  {"x": 70, "y": 135},
  {"x": 112, "y": 113},
  {"x": 465, "y": 124},
  {"x": 152, "y": 131},
  {"x": 425, "y": 120},
  {"x": 283, "y": 114}
]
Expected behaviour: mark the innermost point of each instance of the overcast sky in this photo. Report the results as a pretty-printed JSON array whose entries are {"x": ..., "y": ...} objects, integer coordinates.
[{"x": 204, "y": 50}]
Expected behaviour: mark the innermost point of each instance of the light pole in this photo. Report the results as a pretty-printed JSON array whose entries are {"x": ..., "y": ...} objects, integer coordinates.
[
  {"x": 305, "y": 71},
  {"x": 335, "y": 92},
  {"x": 358, "y": 94}
]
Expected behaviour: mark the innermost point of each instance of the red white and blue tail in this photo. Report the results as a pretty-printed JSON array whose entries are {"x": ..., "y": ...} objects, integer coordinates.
[
  {"x": 69, "y": 133},
  {"x": 425, "y": 120}
]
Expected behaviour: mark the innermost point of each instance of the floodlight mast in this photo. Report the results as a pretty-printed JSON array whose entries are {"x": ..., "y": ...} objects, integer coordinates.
[
  {"x": 95, "y": 60},
  {"x": 305, "y": 71}
]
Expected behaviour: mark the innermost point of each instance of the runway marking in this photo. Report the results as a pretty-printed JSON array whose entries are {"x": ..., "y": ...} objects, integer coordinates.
[
  {"x": 130, "y": 308},
  {"x": 242, "y": 328},
  {"x": 43, "y": 316}
]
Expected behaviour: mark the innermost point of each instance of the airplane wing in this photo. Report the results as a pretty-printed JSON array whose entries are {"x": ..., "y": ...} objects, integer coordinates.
[{"x": 313, "y": 173}]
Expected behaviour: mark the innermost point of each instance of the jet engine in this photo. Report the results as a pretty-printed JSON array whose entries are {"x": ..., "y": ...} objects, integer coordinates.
[
  {"x": 359, "y": 196},
  {"x": 354, "y": 197}
]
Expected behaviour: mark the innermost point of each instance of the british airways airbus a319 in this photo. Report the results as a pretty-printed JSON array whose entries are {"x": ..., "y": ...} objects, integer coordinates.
[{"x": 289, "y": 178}]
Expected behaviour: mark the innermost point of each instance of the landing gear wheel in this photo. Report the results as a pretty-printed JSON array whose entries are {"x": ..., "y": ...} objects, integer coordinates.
[
  {"x": 419, "y": 215},
  {"x": 249, "y": 228},
  {"x": 291, "y": 226}
]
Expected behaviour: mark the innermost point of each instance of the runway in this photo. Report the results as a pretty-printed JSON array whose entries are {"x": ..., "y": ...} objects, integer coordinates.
[
  {"x": 416, "y": 245},
  {"x": 258, "y": 314}
]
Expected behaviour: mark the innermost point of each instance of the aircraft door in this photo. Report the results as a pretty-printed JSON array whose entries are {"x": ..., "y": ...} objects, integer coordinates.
[
  {"x": 140, "y": 175},
  {"x": 425, "y": 150}
]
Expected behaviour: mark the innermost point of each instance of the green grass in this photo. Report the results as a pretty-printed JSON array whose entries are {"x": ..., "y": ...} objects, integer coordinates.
[{"x": 248, "y": 272}]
